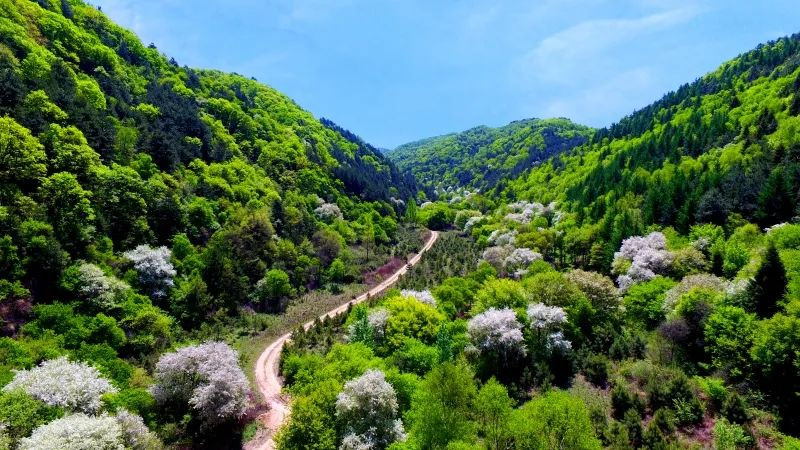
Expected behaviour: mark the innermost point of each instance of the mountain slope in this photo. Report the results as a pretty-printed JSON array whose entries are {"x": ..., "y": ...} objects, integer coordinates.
[
  {"x": 725, "y": 144},
  {"x": 144, "y": 205},
  {"x": 481, "y": 157}
]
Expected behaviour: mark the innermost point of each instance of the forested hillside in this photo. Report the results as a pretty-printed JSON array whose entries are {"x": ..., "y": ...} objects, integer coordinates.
[
  {"x": 141, "y": 200},
  {"x": 483, "y": 157},
  {"x": 631, "y": 287},
  {"x": 725, "y": 144}
]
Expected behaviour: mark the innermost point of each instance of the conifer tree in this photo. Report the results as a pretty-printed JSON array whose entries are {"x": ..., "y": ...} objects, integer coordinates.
[{"x": 769, "y": 285}]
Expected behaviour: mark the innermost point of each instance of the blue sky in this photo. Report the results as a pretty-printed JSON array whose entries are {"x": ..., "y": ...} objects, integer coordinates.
[{"x": 394, "y": 71}]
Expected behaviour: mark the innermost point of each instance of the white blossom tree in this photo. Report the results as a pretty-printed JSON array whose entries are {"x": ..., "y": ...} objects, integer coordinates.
[
  {"x": 377, "y": 319},
  {"x": 368, "y": 410},
  {"x": 497, "y": 330},
  {"x": 472, "y": 221},
  {"x": 76, "y": 432},
  {"x": 647, "y": 256},
  {"x": 501, "y": 238},
  {"x": 689, "y": 282},
  {"x": 543, "y": 317},
  {"x": 422, "y": 296},
  {"x": 135, "y": 434},
  {"x": 547, "y": 321},
  {"x": 74, "y": 386},
  {"x": 557, "y": 341},
  {"x": 328, "y": 212},
  {"x": 496, "y": 255},
  {"x": 97, "y": 287},
  {"x": 155, "y": 269},
  {"x": 521, "y": 258},
  {"x": 207, "y": 377}
]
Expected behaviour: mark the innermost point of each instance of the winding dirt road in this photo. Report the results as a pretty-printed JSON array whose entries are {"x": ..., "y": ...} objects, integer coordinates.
[{"x": 269, "y": 382}]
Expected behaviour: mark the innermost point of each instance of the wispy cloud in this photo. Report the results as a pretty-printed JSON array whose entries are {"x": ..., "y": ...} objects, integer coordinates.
[
  {"x": 565, "y": 54},
  {"x": 611, "y": 97}
]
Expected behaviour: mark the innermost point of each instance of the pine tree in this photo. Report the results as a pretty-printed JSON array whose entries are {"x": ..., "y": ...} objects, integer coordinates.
[
  {"x": 411, "y": 211},
  {"x": 769, "y": 285}
]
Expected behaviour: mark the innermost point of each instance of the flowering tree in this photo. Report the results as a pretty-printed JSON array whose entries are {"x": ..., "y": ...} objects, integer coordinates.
[
  {"x": 155, "y": 270},
  {"x": 472, "y": 221},
  {"x": 74, "y": 386},
  {"x": 377, "y": 319},
  {"x": 501, "y": 238},
  {"x": 524, "y": 212},
  {"x": 543, "y": 317},
  {"x": 367, "y": 408},
  {"x": 496, "y": 256},
  {"x": 76, "y": 432},
  {"x": 328, "y": 212},
  {"x": 423, "y": 296},
  {"x": 703, "y": 281},
  {"x": 647, "y": 256},
  {"x": 521, "y": 258},
  {"x": 599, "y": 289},
  {"x": 207, "y": 377},
  {"x": 135, "y": 434},
  {"x": 547, "y": 320},
  {"x": 497, "y": 330},
  {"x": 92, "y": 284}
]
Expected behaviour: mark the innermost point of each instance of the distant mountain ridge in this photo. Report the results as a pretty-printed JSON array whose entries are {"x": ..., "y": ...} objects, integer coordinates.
[{"x": 484, "y": 157}]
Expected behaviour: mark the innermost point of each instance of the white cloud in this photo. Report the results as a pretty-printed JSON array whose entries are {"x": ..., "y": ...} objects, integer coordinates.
[
  {"x": 563, "y": 56},
  {"x": 612, "y": 97}
]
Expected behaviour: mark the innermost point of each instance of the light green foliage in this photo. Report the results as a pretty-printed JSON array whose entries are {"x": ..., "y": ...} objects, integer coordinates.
[
  {"x": 644, "y": 302},
  {"x": 445, "y": 161},
  {"x": 440, "y": 411},
  {"x": 409, "y": 317},
  {"x": 21, "y": 413},
  {"x": 499, "y": 294},
  {"x": 307, "y": 428},
  {"x": 729, "y": 334},
  {"x": 273, "y": 288},
  {"x": 416, "y": 357},
  {"x": 553, "y": 420},
  {"x": 554, "y": 289},
  {"x": 22, "y": 158},
  {"x": 729, "y": 436},
  {"x": 493, "y": 409}
]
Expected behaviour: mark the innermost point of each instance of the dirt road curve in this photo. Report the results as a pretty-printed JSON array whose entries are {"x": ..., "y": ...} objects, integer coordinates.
[{"x": 267, "y": 378}]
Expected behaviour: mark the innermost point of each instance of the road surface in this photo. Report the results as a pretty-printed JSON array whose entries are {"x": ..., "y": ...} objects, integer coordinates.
[{"x": 267, "y": 378}]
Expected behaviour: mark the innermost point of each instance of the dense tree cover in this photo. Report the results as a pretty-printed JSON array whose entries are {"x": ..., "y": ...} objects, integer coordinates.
[
  {"x": 722, "y": 145},
  {"x": 545, "y": 358},
  {"x": 637, "y": 286},
  {"x": 142, "y": 202},
  {"x": 482, "y": 158}
]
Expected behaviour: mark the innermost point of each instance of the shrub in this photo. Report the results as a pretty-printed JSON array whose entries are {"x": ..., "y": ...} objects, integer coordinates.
[
  {"x": 415, "y": 357},
  {"x": 734, "y": 408},
  {"x": 729, "y": 436},
  {"x": 624, "y": 400},
  {"x": 596, "y": 370},
  {"x": 20, "y": 413},
  {"x": 553, "y": 420},
  {"x": 688, "y": 411}
]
